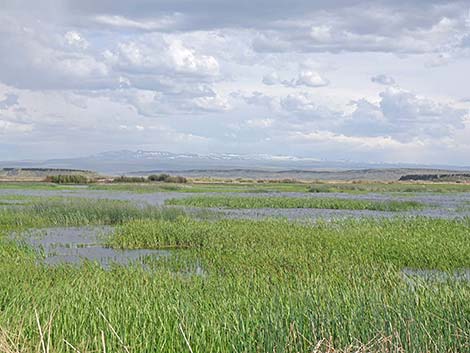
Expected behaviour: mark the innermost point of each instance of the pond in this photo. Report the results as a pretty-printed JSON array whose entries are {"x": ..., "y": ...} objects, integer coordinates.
[{"x": 76, "y": 245}]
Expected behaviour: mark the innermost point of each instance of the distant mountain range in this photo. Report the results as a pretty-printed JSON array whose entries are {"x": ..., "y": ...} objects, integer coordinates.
[{"x": 145, "y": 162}]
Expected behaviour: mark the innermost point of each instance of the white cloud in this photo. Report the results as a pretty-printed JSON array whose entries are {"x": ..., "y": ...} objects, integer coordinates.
[
  {"x": 154, "y": 54},
  {"x": 186, "y": 60},
  {"x": 75, "y": 39},
  {"x": 311, "y": 79},
  {"x": 306, "y": 78}
]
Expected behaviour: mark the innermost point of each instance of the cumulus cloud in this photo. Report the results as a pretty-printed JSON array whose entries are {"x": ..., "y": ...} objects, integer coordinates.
[
  {"x": 157, "y": 63},
  {"x": 311, "y": 79},
  {"x": 404, "y": 116},
  {"x": 306, "y": 78},
  {"x": 75, "y": 39}
]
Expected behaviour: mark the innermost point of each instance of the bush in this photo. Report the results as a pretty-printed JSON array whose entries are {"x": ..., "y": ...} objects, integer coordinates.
[
  {"x": 158, "y": 177},
  {"x": 166, "y": 178},
  {"x": 176, "y": 179},
  {"x": 67, "y": 179},
  {"x": 126, "y": 179}
]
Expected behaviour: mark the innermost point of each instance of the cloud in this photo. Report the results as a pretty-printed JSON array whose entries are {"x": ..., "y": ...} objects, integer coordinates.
[
  {"x": 311, "y": 79},
  {"x": 369, "y": 27},
  {"x": 405, "y": 116},
  {"x": 301, "y": 110},
  {"x": 227, "y": 75},
  {"x": 36, "y": 57},
  {"x": 271, "y": 79},
  {"x": 383, "y": 80},
  {"x": 75, "y": 39},
  {"x": 465, "y": 42},
  {"x": 305, "y": 78},
  {"x": 200, "y": 99},
  {"x": 210, "y": 104},
  {"x": 10, "y": 100},
  {"x": 260, "y": 99},
  {"x": 154, "y": 54},
  {"x": 163, "y": 23},
  {"x": 7, "y": 127},
  {"x": 185, "y": 60}
]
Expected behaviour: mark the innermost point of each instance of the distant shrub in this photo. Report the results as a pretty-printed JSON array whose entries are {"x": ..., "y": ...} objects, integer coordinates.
[
  {"x": 67, "y": 179},
  {"x": 158, "y": 177},
  {"x": 282, "y": 181},
  {"x": 288, "y": 181},
  {"x": 176, "y": 179},
  {"x": 127, "y": 179},
  {"x": 167, "y": 178},
  {"x": 244, "y": 181}
]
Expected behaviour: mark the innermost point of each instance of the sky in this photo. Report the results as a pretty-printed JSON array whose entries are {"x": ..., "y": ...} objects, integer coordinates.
[{"x": 370, "y": 81}]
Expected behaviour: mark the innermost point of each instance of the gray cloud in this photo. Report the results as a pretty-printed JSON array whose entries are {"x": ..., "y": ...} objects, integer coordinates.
[
  {"x": 9, "y": 101},
  {"x": 383, "y": 80},
  {"x": 271, "y": 79}
]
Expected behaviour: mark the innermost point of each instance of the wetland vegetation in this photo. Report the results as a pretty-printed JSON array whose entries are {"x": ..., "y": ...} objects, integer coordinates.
[
  {"x": 295, "y": 202},
  {"x": 181, "y": 184},
  {"x": 227, "y": 285}
]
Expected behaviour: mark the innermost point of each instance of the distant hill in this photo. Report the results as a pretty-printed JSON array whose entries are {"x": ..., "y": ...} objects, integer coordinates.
[
  {"x": 13, "y": 173},
  {"x": 226, "y": 165}
]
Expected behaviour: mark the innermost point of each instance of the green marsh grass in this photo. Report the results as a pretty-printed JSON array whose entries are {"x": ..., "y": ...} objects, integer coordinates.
[
  {"x": 294, "y": 202},
  {"x": 58, "y": 211},
  {"x": 266, "y": 286}
]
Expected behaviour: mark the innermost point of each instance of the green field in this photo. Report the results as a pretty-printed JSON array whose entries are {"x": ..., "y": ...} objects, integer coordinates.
[
  {"x": 237, "y": 285},
  {"x": 294, "y": 202}
]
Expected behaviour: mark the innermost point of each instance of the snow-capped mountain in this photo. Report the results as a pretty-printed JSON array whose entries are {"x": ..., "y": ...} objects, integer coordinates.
[{"x": 159, "y": 155}]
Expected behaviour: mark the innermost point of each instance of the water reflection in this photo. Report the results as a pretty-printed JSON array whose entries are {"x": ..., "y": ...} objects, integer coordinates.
[{"x": 75, "y": 245}]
